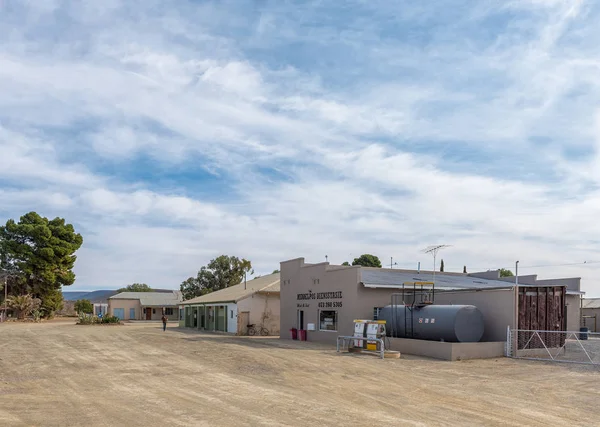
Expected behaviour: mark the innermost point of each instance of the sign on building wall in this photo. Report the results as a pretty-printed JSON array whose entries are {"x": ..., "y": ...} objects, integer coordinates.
[{"x": 322, "y": 299}]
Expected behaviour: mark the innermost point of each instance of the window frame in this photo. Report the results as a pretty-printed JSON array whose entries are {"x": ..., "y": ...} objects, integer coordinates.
[
  {"x": 335, "y": 323},
  {"x": 167, "y": 309}
]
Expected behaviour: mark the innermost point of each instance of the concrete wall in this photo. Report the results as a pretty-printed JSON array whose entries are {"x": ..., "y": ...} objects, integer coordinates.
[
  {"x": 448, "y": 350},
  {"x": 573, "y": 312},
  {"x": 496, "y": 306},
  {"x": 572, "y": 283},
  {"x": 594, "y": 325},
  {"x": 264, "y": 309}
]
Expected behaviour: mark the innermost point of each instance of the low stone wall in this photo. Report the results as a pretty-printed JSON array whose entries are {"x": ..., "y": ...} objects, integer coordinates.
[{"x": 448, "y": 350}]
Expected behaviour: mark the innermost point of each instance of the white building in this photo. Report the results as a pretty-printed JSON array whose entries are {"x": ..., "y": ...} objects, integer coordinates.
[{"x": 232, "y": 309}]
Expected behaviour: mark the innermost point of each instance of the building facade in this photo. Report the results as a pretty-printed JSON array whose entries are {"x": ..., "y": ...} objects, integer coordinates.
[
  {"x": 233, "y": 309},
  {"x": 145, "y": 305},
  {"x": 325, "y": 299}
]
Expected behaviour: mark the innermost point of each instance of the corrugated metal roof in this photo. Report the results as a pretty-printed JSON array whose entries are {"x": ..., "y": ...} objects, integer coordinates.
[
  {"x": 591, "y": 303},
  {"x": 152, "y": 299},
  {"x": 379, "y": 277},
  {"x": 236, "y": 293}
]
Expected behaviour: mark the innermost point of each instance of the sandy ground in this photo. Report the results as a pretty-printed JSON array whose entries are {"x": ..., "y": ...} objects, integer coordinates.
[{"x": 59, "y": 374}]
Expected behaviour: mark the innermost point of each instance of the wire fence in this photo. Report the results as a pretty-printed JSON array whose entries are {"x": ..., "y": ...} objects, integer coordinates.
[{"x": 556, "y": 346}]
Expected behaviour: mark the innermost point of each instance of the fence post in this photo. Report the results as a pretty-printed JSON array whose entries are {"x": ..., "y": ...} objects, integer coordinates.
[{"x": 507, "y": 350}]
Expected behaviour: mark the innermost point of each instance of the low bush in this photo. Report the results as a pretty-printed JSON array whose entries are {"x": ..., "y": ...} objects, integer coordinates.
[
  {"x": 111, "y": 319},
  {"x": 87, "y": 319}
]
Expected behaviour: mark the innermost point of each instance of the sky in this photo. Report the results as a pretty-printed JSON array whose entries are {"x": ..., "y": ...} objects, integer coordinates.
[{"x": 169, "y": 132}]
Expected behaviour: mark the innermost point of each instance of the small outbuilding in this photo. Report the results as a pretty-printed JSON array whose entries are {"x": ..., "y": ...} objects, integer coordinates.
[
  {"x": 145, "y": 305},
  {"x": 590, "y": 314},
  {"x": 253, "y": 302}
]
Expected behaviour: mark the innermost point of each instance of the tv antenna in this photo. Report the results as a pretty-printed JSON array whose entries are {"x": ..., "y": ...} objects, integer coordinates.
[{"x": 433, "y": 250}]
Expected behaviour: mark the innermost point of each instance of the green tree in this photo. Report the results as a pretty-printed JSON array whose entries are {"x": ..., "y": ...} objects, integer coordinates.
[
  {"x": 367, "y": 260},
  {"x": 442, "y": 266},
  {"x": 345, "y": 263},
  {"x": 506, "y": 273},
  {"x": 41, "y": 252},
  {"x": 219, "y": 273},
  {"x": 275, "y": 272},
  {"x": 53, "y": 301},
  {"x": 24, "y": 305},
  {"x": 136, "y": 287},
  {"x": 190, "y": 288},
  {"x": 84, "y": 306}
]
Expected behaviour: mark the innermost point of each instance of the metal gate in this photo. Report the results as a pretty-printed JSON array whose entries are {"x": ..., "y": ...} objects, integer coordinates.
[{"x": 555, "y": 346}]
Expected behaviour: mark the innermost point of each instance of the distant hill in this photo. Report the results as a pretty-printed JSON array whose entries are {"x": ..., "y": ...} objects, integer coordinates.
[{"x": 73, "y": 295}]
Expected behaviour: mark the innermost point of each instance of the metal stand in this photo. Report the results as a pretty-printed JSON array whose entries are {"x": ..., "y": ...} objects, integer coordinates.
[{"x": 345, "y": 338}]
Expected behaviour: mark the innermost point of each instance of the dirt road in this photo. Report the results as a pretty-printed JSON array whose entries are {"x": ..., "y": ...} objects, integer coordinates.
[{"x": 59, "y": 374}]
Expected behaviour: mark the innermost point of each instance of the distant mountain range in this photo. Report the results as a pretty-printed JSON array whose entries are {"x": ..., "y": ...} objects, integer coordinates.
[{"x": 97, "y": 296}]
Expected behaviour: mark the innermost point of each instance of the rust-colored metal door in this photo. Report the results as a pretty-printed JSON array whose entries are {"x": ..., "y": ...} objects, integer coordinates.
[
  {"x": 543, "y": 309},
  {"x": 148, "y": 313}
]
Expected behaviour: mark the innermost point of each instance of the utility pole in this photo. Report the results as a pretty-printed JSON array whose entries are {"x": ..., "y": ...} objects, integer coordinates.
[
  {"x": 392, "y": 264},
  {"x": 517, "y": 295},
  {"x": 516, "y": 327}
]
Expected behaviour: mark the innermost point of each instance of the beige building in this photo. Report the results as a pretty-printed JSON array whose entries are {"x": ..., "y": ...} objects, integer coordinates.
[
  {"x": 590, "y": 314},
  {"x": 324, "y": 299},
  {"x": 145, "y": 305},
  {"x": 233, "y": 309}
]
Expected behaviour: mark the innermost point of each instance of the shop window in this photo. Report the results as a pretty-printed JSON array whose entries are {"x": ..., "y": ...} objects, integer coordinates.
[
  {"x": 328, "y": 320},
  {"x": 376, "y": 312},
  {"x": 168, "y": 311}
]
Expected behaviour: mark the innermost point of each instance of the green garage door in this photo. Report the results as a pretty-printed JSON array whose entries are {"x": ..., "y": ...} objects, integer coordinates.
[{"x": 119, "y": 312}]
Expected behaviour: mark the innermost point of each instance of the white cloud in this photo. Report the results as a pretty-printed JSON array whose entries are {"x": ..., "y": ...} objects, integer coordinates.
[{"x": 327, "y": 137}]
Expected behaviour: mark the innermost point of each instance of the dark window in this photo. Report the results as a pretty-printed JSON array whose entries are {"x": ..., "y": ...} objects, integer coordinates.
[
  {"x": 153, "y": 311},
  {"x": 376, "y": 311},
  {"x": 328, "y": 320},
  {"x": 168, "y": 311}
]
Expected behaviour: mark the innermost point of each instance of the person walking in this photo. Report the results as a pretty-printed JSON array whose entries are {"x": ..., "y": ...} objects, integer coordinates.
[{"x": 164, "y": 320}]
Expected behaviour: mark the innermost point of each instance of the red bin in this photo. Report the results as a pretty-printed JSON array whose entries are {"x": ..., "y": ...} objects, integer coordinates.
[
  {"x": 294, "y": 332},
  {"x": 302, "y": 334}
]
